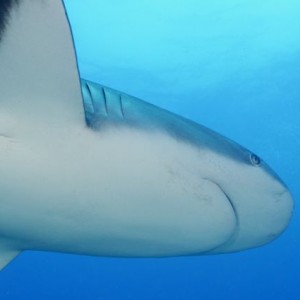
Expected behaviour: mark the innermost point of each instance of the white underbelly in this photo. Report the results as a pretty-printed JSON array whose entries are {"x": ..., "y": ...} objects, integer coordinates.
[{"x": 123, "y": 194}]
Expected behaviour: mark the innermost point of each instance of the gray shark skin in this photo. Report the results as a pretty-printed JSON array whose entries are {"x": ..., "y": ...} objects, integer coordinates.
[{"x": 86, "y": 169}]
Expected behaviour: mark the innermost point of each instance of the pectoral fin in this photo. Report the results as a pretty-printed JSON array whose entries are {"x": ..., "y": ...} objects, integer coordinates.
[
  {"x": 6, "y": 256},
  {"x": 39, "y": 79}
]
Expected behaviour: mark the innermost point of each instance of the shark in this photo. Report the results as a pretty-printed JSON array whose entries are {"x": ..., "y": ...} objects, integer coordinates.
[{"x": 87, "y": 169}]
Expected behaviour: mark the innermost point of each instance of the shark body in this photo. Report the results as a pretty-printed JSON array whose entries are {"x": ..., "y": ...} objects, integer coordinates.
[{"x": 90, "y": 170}]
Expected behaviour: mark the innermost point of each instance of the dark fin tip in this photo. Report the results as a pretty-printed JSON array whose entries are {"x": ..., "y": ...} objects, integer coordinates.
[{"x": 5, "y": 7}]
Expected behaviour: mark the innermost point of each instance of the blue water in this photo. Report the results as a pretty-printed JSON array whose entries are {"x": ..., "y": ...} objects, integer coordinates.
[{"x": 233, "y": 66}]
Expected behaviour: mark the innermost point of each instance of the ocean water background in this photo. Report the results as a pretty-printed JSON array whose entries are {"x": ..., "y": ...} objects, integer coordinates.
[{"x": 233, "y": 66}]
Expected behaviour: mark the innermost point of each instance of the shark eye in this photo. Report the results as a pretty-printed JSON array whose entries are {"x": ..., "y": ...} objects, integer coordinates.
[{"x": 255, "y": 160}]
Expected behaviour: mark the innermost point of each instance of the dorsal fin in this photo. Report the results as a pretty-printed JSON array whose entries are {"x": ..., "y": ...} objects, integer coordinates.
[{"x": 38, "y": 70}]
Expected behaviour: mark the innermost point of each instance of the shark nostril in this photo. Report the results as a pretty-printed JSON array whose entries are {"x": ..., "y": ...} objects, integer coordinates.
[{"x": 280, "y": 196}]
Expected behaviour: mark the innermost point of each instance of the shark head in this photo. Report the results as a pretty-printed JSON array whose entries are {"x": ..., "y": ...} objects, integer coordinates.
[{"x": 261, "y": 201}]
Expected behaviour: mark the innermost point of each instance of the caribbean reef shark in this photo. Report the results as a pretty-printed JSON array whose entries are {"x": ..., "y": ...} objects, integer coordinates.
[{"x": 87, "y": 169}]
